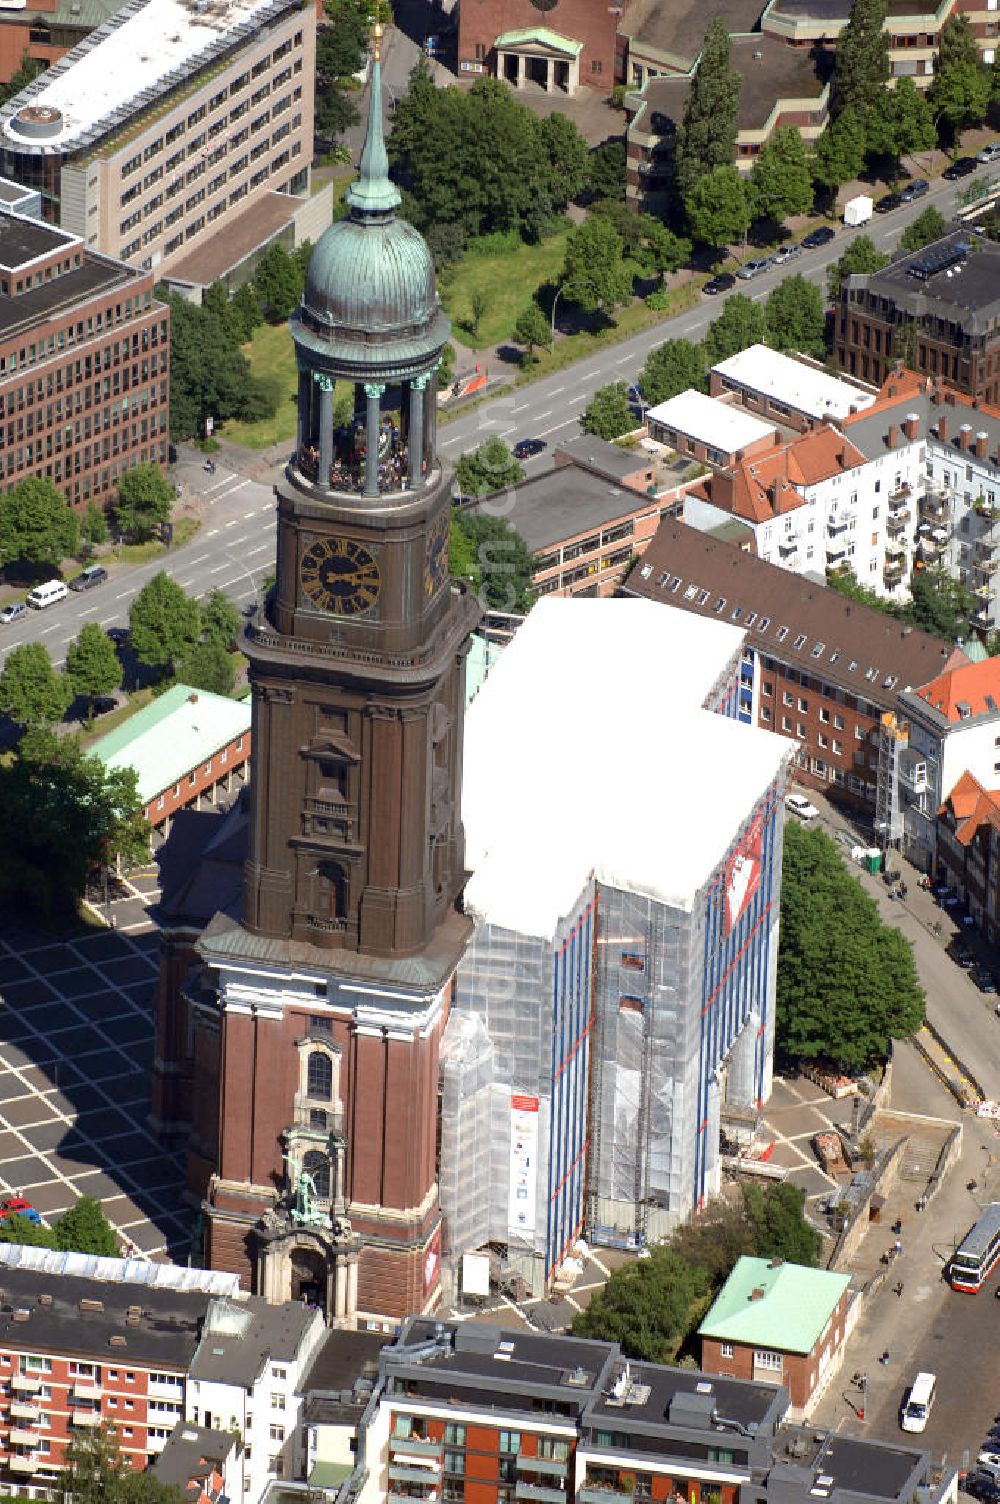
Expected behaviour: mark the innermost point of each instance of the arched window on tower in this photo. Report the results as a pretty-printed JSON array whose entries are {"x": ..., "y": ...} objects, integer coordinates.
[
  {"x": 319, "y": 1078},
  {"x": 317, "y": 1164}
]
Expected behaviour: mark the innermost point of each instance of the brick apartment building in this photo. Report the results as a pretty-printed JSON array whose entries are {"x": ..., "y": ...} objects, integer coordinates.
[
  {"x": 166, "y": 119},
  {"x": 937, "y": 308},
  {"x": 816, "y": 666},
  {"x": 84, "y": 363}
]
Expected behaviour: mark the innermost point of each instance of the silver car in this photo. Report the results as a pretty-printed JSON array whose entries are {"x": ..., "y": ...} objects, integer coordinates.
[{"x": 753, "y": 268}]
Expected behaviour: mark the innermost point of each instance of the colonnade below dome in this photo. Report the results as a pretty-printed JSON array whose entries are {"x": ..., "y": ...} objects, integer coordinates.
[{"x": 379, "y": 450}]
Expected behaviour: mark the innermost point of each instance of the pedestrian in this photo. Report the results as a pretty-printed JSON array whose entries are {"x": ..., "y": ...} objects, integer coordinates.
[
  {"x": 884, "y": 1360},
  {"x": 114, "y": 921},
  {"x": 897, "y": 1248},
  {"x": 899, "y": 1288},
  {"x": 863, "y": 1383}
]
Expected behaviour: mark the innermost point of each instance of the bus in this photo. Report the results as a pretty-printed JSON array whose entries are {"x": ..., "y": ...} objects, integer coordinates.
[
  {"x": 978, "y": 1252},
  {"x": 918, "y": 1403}
]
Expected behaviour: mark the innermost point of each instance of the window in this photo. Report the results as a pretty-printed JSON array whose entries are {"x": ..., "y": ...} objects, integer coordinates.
[
  {"x": 824, "y": 714},
  {"x": 277, "y": 1400},
  {"x": 319, "y": 1081},
  {"x": 762, "y": 1358},
  {"x": 276, "y": 1433},
  {"x": 510, "y": 1441},
  {"x": 803, "y": 706},
  {"x": 454, "y": 1435},
  {"x": 800, "y": 641},
  {"x": 725, "y": 1350}
]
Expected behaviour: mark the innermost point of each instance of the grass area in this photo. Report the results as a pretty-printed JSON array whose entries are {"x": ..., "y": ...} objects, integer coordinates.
[
  {"x": 185, "y": 529},
  {"x": 272, "y": 354},
  {"x": 628, "y": 321},
  {"x": 105, "y": 723},
  {"x": 507, "y": 280}
]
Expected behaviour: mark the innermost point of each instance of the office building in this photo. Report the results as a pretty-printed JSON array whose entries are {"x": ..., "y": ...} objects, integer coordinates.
[
  {"x": 84, "y": 363},
  {"x": 167, "y": 118}
]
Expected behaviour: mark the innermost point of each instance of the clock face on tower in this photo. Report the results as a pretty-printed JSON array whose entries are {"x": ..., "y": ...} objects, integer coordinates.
[
  {"x": 436, "y": 557},
  {"x": 340, "y": 576}
]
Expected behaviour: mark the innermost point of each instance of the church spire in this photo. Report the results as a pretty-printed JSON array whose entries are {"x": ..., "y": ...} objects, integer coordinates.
[{"x": 373, "y": 192}]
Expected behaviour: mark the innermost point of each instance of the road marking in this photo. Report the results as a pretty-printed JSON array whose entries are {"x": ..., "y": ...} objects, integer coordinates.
[
  {"x": 220, "y": 568},
  {"x": 213, "y": 532},
  {"x": 569, "y": 423},
  {"x": 554, "y": 391},
  {"x": 248, "y": 514},
  {"x": 200, "y": 559},
  {"x": 263, "y": 547},
  {"x": 235, "y": 522},
  {"x": 185, "y": 583},
  {"x": 546, "y": 414},
  {"x": 625, "y": 360},
  {"x": 266, "y": 507}
]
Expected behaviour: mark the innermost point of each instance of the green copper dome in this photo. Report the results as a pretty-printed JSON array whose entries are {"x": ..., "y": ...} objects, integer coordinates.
[{"x": 370, "y": 296}]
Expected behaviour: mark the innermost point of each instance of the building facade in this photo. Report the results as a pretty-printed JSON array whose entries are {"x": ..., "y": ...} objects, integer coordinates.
[
  {"x": 84, "y": 363},
  {"x": 302, "y": 1054},
  {"x": 166, "y": 119},
  {"x": 560, "y": 53},
  {"x": 967, "y": 849}
]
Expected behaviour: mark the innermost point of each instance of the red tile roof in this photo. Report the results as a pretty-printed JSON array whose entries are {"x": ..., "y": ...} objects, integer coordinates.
[
  {"x": 769, "y": 485},
  {"x": 971, "y": 807},
  {"x": 970, "y": 689}
]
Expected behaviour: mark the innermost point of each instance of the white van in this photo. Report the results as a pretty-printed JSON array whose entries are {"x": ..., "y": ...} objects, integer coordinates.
[
  {"x": 918, "y": 1402},
  {"x": 47, "y": 594}
]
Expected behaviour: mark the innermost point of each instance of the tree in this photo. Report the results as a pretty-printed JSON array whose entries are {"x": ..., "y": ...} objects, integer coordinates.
[
  {"x": 221, "y": 620},
  {"x": 64, "y": 814},
  {"x": 165, "y": 622},
  {"x": 938, "y": 604},
  {"x": 646, "y": 1306},
  {"x": 461, "y": 555},
  {"x": 83, "y": 1228},
  {"x": 278, "y": 283},
  {"x": 479, "y": 304},
  {"x": 594, "y": 267},
  {"x": 568, "y": 157},
  {"x": 36, "y": 525},
  {"x": 861, "y": 69},
  {"x": 503, "y": 561},
  {"x": 675, "y": 366},
  {"x": 606, "y": 170},
  {"x": 491, "y": 467},
  {"x": 845, "y": 582},
  {"x": 25, "y": 73},
  {"x": 532, "y": 328},
  {"x": 94, "y": 527},
  {"x": 741, "y": 323},
  {"x": 781, "y": 177},
  {"x": 609, "y": 413},
  {"x": 796, "y": 317},
  {"x": 926, "y": 227},
  {"x": 645, "y": 240},
  {"x": 335, "y": 111},
  {"x": 208, "y": 666},
  {"x": 209, "y": 374},
  {"x": 847, "y": 983},
  {"x": 32, "y": 692},
  {"x": 97, "y": 1473},
  {"x": 780, "y": 1231},
  {"x": 145, "y": 500},
  {"x": 960, "y": 92},
  {"x": 706, "y": 136},
  {"x": 243, "y": 312},
  {"x": 839, "y": 154},
  {"x": 901, "y": 122},
  {"x": 718, "y": 207},
  {"x": 92, "y": 664},
  {"x": 861, "y": 256}
]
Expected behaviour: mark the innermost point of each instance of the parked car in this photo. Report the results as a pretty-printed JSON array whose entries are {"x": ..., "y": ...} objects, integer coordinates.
[
  {"x": 12, "y": 611},
  {"x": 888, "y": 202},
  {"x": 822, "y": 235},
  {"x": 988, "y": 153},
  {"x": 915, "y": 188},
  {"x": 960, "y": 168},
  {"x": 982, "y": 1485},
  {"x": 525, "y": 448},
  {"x": 965, "y": 958},
  {"x": 722, "y": 283},
  {"x": 786, "y": 253},
  {"x": 799, "y": 805},
  {"x": 983, "y": 979},
  {"x": 94, "y": 574},
  {"x": 751, "y": 269},
  {"x": 16, "y": 1206}
]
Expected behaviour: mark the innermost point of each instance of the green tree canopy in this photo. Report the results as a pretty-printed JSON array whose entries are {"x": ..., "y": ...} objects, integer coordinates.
[
  {"x": 165, "y": 622},
  {"x": 92, "y": 664},
  {"x": 83, "y": 1228},
  {"x": 210, "y": 377},
  {"x": 847, "y": 983},
  {"x": 32, "y": 691},
  {"x": 861, "y": 255},
  {"x": 36, "y": 524},
  {"x": 645, "y": 1306},
  {"x": 595, "y": 274},
  {"x": 221, "y": 619},
  {"x": 208, "y": 666},
  {"x": 960, "y": 92},
  {"x": 901, "y": 122},
  {"x": 675, "y": 366},
  {"x": 706, "y": 136},
  {"x": 278, "y": 282},
  {"x": 462, "y": 556},
  {"x": 718, "y": 207},
  {"x": 861, "y": 69},
  {"x": 503, "y": 561},
  {"x": 532, "y": 328},
  {"x": 741, "y": 323},
  {"x": 567, "y": 154},
  {"x": 97, "y": 1473},
  {"x": 839, "y": 154},
  {"x": 145, "y": 500},
  {"x": 609, "y": 414},
  {"x": 606, "y": 170},
  {"x": 939, "y": 604},
  {"x": 780, "y": 1230},
  {"x": 781, "y": 180},
  {"x": 646, "y": 240},
  {"x": 64, "y": 813},
  {"x": 94, "y": 526},
  {"x": 796, "y": 317},
  {"x": 491, "y": 467},
  {"x": 926, "y": 227}
]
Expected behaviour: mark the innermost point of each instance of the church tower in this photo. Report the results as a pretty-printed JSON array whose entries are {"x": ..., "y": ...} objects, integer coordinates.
[{"x": 316, "y": 1017}]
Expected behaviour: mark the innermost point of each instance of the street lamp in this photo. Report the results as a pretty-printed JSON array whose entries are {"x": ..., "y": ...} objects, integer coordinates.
[{"x": 577, "y": 282}]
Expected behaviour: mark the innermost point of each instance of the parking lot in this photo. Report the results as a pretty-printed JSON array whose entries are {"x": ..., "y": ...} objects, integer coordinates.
[{"x": 76, "y": 1045}]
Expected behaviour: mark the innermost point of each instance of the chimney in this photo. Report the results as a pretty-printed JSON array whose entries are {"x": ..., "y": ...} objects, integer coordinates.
[
  {"x": 758, "y": 1293},
  {"x": 21, "y": 1314},
  {"x": 942, "y": 428},
  {"x": 891, "y": 392},
  {"x": 982, "y": 445},
  {"x": 911, "y": 424},
  {"x": 192, "y": 699},
  {"x": 891, "y": 436},
  {"x": 965, "y": 436},
  {"x": 92, "y": 1306},
  {"x": 115, "y": 1340},
  {"x": 45, "y": 1299},
  {"x": 776, "y": 1262},
  {"x": 949, "y": 397}
]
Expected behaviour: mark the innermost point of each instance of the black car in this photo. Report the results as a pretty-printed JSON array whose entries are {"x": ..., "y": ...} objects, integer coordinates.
[
  {"x": 822, "y": 235},
  {"x": 960, "y": 168},
  {"x": 983, "y": 979},
  {"x": 888, "y": 202},
  {"x": 722, "y": 283},
  {"x": 915, "y": 188},
  {"x": 982, "y": 1485},
  {"x": 94, "y": 574},
  {"x": 525, "y": 448}
]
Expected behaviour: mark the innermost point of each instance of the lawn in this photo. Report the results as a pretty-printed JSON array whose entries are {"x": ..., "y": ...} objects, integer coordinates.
[
  {"x": 507, "y": 280},
  {"x": 271, "y": 353}
]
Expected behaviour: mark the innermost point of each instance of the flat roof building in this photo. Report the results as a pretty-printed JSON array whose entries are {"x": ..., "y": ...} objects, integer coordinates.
[
  {"x": 715, "y": 433},
  {"x": 786, "y": 387},
  {"x": 165, "y": 118},
  {"x": 85, "y": 329}
]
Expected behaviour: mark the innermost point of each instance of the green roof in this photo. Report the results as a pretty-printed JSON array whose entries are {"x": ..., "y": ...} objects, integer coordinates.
[
  {"x": 329, "y": 1474},
  {"x": 543, "y": 36},
  {"x": 789, "y": 1316},
  {"x": 168, "y": 738}
]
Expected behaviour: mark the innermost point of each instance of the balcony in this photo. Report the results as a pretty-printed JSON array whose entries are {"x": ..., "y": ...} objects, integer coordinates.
[
  {"x": 896, "y": 521},
  {"x": 24, "y": 1410},
  {"x": 86, "y": 1389},
  {"x": 836, "y": 552},
  {"x": 19, "y": 1463},
  {"x": 788, "y": 545},
  {"x": 428, "y": 1466},
  {"x": 20, "y": 1436},
  {"x": 981, "y": 618},
  {"x": 539, "y": 1492},
  {"x": 893, "y": 571},
  {"x": 395, "y": 1497},
  {"x": 85, "y": 1418},
  {"x": 836, "y": 524},
  {"x": 425, "y": 1474},
  {"x": 547, "y": 1465},
  {"x": 899, "y": 494},
  {"x": 25, "y": 1383},
  {"x": 914, "y": 777},
  {"x": 416, "y": 1446},
  {"x": 591, "y": 1493}
]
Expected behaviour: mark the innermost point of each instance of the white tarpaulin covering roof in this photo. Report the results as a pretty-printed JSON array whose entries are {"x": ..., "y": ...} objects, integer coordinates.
[
  {"x": 119, "y": 1271},
  {"x": 587, "y": 751}
]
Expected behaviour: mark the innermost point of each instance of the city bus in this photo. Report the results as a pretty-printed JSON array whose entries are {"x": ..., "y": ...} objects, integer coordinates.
[{"x": 978, "y": 1252}]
